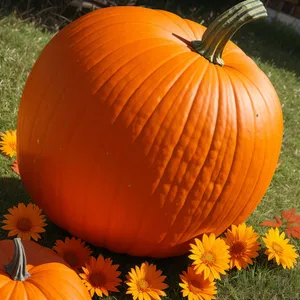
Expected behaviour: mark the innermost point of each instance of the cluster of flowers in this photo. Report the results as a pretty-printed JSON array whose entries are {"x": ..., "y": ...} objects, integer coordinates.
[{"x": 211, "y": 257}]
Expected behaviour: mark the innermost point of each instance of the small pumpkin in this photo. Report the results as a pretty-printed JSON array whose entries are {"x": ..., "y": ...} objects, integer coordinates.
[
  {"x": 139, "y": 130},
  {"x": 30, "y": 271}
]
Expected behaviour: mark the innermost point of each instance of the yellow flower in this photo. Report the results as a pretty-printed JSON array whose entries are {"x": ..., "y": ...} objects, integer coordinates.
[
  {"x": 243, "y": 245},
  {"x": 25, "y": 221},
  {"x": 74, "y": 252},
  {"x": 8, "y": 142},
  {"x": 210, "y": 256},
  {"x": 146, "y": 282},
  {"x": 100, "y": 276},
  {"x": 279, "y": 249},
  {"x": 195, "y": 287}
]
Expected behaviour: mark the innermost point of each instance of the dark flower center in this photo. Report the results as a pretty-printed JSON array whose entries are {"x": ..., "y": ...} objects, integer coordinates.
[
  {"x": 24, "y": 224},
  {"x": 237, "y": 249},
  {"x": 195, "y": 286},
  {"x": 71, "y": 258},
  {"x": 97, "y": 279}
]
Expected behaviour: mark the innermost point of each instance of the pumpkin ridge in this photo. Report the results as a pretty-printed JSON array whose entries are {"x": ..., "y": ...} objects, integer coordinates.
[
  {"x": 183, "y": 70},
  {"x": 117, "y": 96},
  {"x": 259, "y": 176},
  {"x": 273, "y": 152},
  {"x": 34, "y": 125},
  {"x": 197, "y": 217},
  {"x": 98, "y": 89},
  {"x": 164, "y": 42},
  {"x": 221, "y": 153},
  {"x": 79, "y": 29},
  {"x": 3, "y": 275},
  {"x": 195, "y": 32},
  {"x": 184, "y": 151},
  {"x": 239, "y": 74},
  {"x": 80, "y": 113},
  {"x": 168, "y": 16},
  {"x": 154, "y": 90},
  {"x": 43, "y": 101},
  {"x": 203, "y": 128},
  {"x": 216, "y": 161},
  {"x": 39, "y": 106},
  {"x": 119, "y": 23},
  {"x": 233, "y": 174},
  {"x": 162, "y": 175},
  {"x": 27, "y": 287},
  {"x": 10, "y": 291},
  {"x": 129, "y": 59},
  {"x": 224, "y": 153},
  {"x": 69, "y": 148},
  {"x": 98, "y": 15},
  {"x": 157, "y": 67},
  {"x": 46, "y": 268},
  {"x": 168, "y": 61},
  {"x": 229, "y": 199},
  {"x": 154, "y": 155}
]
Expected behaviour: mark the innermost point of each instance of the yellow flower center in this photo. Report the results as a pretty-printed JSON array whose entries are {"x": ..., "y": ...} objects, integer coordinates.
[
  {"x": 71, "y": 258},
  {"x": 208, "y": 258},
  {"x": 142, "y": 285},
  {"x": 277, "y": 248},
  {"x": 24, "y": 224},
  {"x": 97, "y": 279},
  {"x": 237, "y": 249}
]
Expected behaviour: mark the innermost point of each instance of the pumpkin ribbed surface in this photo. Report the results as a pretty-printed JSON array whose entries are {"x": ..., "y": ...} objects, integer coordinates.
[{"x": 130, "y": 140}]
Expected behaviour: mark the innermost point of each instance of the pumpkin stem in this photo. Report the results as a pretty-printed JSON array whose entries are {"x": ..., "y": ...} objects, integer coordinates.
[
  {"x": 224, "y": 27},
  {"x": 17, "y": 267}
]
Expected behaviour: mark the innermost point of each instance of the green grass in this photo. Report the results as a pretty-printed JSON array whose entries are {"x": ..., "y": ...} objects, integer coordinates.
[{"x": 276, "y": 50}]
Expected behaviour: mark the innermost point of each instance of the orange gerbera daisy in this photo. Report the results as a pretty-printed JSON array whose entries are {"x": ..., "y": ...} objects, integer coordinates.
[
  {"x": 195, "y": 287},
  {"x": 25, "y": 221},
  {"x": 100, "y": 276},
  {"x": 8, "y": 142},
  {"x": 279, "y": 249},
  {"x": 243, "y": 244},
  {"x": 74, "y": 252},
  {"x": 210, "y": 256},
  {"x": 146, "y": 282}
]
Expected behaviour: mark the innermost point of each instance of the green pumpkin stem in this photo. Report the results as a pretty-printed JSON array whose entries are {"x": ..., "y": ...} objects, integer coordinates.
[
  {"x": 224, "y": 27},
  {"x": 17, "y": 267}
]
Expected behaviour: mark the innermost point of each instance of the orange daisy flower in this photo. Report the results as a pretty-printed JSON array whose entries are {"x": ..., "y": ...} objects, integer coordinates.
[
  {"x": 195, "y": 287},
  {"x": 8, "y": 142},
  {"x": 100, "y": 276},
  {"x": 210, "y": 256},
  {"x": 146, "y": 282},
  {"x": 73, "y": 251},
  {"x": 243, "y": 245},
  {"x": 25, "y": 221}
]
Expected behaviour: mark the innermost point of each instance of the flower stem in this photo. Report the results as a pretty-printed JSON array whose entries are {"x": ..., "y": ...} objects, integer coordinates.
[
  {"x": 17, "y": 267},
  {"x": 225, "y": 26}
]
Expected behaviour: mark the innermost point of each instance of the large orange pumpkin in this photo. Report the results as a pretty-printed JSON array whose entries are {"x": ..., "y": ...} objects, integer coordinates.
[
  {"x": 138, "y": 133},
  {"x": 30, "y": 271}
]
